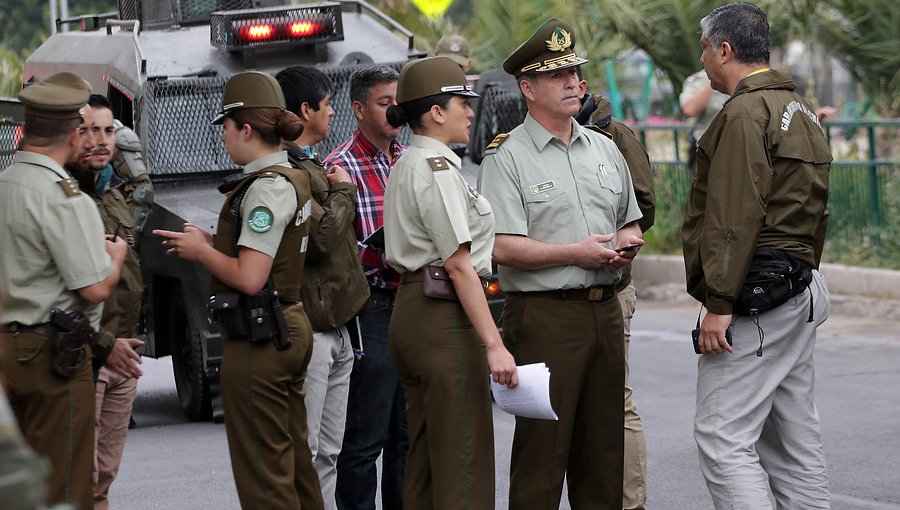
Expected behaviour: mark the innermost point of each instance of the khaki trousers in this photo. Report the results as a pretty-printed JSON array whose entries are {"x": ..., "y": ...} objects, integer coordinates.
[
  {"x": 756, "y": 423},
  {"x": 634, "y": 490},
  {"x": 114, "y": 399},
  {"x": 582, "y": 342},
  {"x": 56, "y": 415},
  {"x": 443, "y": 368},
  {"x": 265, "y": 420}
]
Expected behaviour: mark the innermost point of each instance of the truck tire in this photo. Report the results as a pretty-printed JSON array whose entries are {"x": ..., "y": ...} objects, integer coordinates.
[{"x": 191, "y": 381}]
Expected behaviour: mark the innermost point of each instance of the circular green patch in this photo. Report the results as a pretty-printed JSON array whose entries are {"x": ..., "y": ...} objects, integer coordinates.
[{"x": 261, "y": 219}]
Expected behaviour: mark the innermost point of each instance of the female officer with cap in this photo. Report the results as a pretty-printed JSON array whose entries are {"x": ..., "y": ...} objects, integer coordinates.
[
  {"x": 261, "y": 237},
  {"x": 438, "y": 228}
]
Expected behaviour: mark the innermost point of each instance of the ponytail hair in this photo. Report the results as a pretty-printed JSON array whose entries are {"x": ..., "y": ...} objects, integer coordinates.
[
  {"x": 411, "y": 112},
  {"x": 271, "y": 124}
]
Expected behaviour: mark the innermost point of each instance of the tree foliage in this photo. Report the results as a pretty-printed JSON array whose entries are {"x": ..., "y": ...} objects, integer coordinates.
[{"x": 865, "y": 36}]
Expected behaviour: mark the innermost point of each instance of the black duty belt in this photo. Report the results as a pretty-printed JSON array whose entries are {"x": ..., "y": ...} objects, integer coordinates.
[
  {"x": 598, "y": 293},
  {"x": 45, "y": 329}
]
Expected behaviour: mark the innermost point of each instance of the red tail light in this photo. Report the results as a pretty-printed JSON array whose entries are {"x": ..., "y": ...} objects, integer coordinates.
[
  {"x": 303, "y": 28},
  {"x": 255, "y": 33}
]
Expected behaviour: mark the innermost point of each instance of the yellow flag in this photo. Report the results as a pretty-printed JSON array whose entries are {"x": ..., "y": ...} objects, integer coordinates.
[{"x": 433, "y": 8}]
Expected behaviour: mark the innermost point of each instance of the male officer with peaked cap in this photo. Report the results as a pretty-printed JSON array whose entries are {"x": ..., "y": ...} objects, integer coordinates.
[
  {"x": 54, "y": 257},
  {"x": 564, "y": 206}
]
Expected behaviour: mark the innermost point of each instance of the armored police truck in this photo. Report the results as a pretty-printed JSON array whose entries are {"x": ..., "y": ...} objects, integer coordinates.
[{"x": 164, "y": 64}]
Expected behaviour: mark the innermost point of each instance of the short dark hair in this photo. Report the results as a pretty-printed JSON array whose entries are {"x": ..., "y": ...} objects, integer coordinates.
[
  {"x": 363, "y": 79},
  {"x": 100, "y": 101},
  {"x": 411, "y": 112},
  {"x": 44, "y": 132},
  {"x": 744, "y": 26},
  {"x": 302, "y": 84}
]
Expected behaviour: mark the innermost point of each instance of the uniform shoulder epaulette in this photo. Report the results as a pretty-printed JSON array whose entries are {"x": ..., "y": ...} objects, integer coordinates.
[
  {"x": 600, "y": 130},
  {"x": 268, "y": 173},
  {"x": 70, "y": 187},
  {"x": 438, "y": 163},
  {"x": 497, "y": 142}
]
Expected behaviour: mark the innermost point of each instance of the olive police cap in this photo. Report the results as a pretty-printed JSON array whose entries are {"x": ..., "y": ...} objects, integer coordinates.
[
  {"x": 60, "y": 96},
  {"x": 551, "y": 47},
  {"x": 453, "y": 47},
  {"x": 251, "y": 89},
  {"x": 432, "y": 76}
]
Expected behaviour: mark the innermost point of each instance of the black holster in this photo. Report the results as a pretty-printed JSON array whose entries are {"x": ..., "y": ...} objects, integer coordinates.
[
  {"x": 72, "y": 332},
  {"x": 259, "y": 317}
]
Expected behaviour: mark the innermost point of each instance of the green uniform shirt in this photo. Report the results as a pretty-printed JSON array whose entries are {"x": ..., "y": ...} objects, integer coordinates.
[
  {"x": 761, "y": 180},
  {"x": 268, "y": 206},
  {"x": 53, "y": 243},
  {"x": 556, "y": 194},
  {"x": 429, "y": 210}
]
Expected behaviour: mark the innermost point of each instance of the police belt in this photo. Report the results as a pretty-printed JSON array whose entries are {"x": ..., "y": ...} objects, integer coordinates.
[
  {"x": 45, "y": 329},
  {"x": 598, "y": 293},
  {"x": 419, "y": 276}
]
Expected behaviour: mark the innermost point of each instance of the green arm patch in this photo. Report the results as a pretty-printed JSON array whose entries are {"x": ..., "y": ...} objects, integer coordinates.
[{"x": 261, "y": 219}]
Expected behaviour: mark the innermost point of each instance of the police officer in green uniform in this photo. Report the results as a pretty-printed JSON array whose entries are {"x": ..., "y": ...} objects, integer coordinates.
[
  {"x": 600, "y": 118},
  {"x": 565, "y": 207},
  {"x": 260, "y": 243},
  {"x": 442, "y": 349},
  {"x": 760, "y": 191},
  {"x": 54, "y": 258}
]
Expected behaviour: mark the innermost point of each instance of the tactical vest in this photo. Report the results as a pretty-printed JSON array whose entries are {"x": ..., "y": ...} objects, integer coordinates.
[{"x": 287, "y": 268}]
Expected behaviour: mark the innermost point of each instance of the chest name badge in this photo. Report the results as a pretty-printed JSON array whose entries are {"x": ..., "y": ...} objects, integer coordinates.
[
  {"x": 260, "y": 220},
  {"x": 537, "y": 189}
]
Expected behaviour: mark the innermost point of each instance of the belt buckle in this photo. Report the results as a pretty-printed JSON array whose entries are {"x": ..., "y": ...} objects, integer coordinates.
[{"x": 596, "y": 293}]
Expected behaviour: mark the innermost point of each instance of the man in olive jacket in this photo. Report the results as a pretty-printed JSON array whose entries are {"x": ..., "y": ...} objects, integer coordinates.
[
  {"x": 596, "y": 113},
  {"x": 761, "y": 184},
  {"x": 334, "y": 287}
]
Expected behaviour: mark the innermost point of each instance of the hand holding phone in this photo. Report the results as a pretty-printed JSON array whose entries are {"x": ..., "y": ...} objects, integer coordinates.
[
  {"x": 695, "y": 334},
  {"x": 630, "y": 247}
]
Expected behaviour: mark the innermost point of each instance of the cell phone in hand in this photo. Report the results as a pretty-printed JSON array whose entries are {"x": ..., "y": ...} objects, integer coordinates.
[
  {"x": 630, "y": 247},
  {"x": 695, "y": 334}
]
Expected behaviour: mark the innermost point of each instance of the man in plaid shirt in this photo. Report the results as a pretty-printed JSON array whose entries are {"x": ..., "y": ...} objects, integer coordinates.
[{"x": 376, "y": 416}]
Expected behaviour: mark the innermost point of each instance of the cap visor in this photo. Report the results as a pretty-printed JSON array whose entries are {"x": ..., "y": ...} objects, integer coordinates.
[
  {"x": 467, "y": 93},
  {"x": 220, "y": 118}
]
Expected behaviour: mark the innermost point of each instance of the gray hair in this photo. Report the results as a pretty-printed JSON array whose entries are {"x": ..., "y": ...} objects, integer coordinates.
[
  {"x": 744, "y": 27},
  {"x": 363, "y": 79}
]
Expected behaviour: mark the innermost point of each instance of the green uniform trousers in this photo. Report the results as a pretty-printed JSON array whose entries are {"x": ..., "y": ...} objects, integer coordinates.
[
  {"x": 56, "y": 415},
  {"x": 443, "y": 368},
  {"x": 580, "y": 338},
  {"x": 265, "y": 420}
]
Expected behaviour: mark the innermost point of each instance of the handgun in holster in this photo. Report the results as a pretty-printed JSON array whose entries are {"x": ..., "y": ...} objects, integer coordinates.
[{"x": 73, "y": 332}]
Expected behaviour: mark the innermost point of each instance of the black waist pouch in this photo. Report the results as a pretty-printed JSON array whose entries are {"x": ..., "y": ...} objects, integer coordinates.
[
  {"x": 259, "y": 317},
  {"x": 774, "y": 278}
]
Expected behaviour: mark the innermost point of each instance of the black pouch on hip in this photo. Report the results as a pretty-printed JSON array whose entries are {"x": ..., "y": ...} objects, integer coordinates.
[
  {"x": 774, "y": 278},
  {"x": 226, "y": 309},
  {"x": 73, "y": 331}
]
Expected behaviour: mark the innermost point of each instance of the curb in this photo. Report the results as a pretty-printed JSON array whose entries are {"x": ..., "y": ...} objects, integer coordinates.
[{"x": 856, "y": 290}]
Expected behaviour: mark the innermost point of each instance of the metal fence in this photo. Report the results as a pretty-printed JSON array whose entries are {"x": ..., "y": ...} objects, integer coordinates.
[{"x": 174, "y": 116}]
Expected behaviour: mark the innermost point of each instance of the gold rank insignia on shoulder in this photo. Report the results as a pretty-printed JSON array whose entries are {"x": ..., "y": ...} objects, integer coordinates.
[
  {"x": 70, "y": 187},
  {"x": 498, "y": 140},
  {"x": 438, "y": 163}
]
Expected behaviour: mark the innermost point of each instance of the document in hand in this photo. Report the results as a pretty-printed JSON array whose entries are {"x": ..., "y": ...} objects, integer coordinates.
[{"x": 531, "y": 398}]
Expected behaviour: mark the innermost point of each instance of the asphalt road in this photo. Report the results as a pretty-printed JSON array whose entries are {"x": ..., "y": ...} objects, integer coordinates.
[{"x": 173, "y": 464}]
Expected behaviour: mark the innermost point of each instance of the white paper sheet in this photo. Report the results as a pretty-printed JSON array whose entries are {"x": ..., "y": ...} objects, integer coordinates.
[{"x": 531, "y": 398}]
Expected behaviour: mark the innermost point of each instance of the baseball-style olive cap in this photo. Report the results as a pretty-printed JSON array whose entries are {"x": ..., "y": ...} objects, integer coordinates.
[
  {"x": 551, "y": 47},
  {"x": 251, "y": 89},
  {"x": 454, "y": 47},
  {"x": 60, "y": 96},
  {"x": 432, "y": 76}
]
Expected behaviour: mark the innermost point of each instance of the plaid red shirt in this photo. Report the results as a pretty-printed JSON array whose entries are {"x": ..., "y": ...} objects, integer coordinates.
[{"x": 369, "y": 168}]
